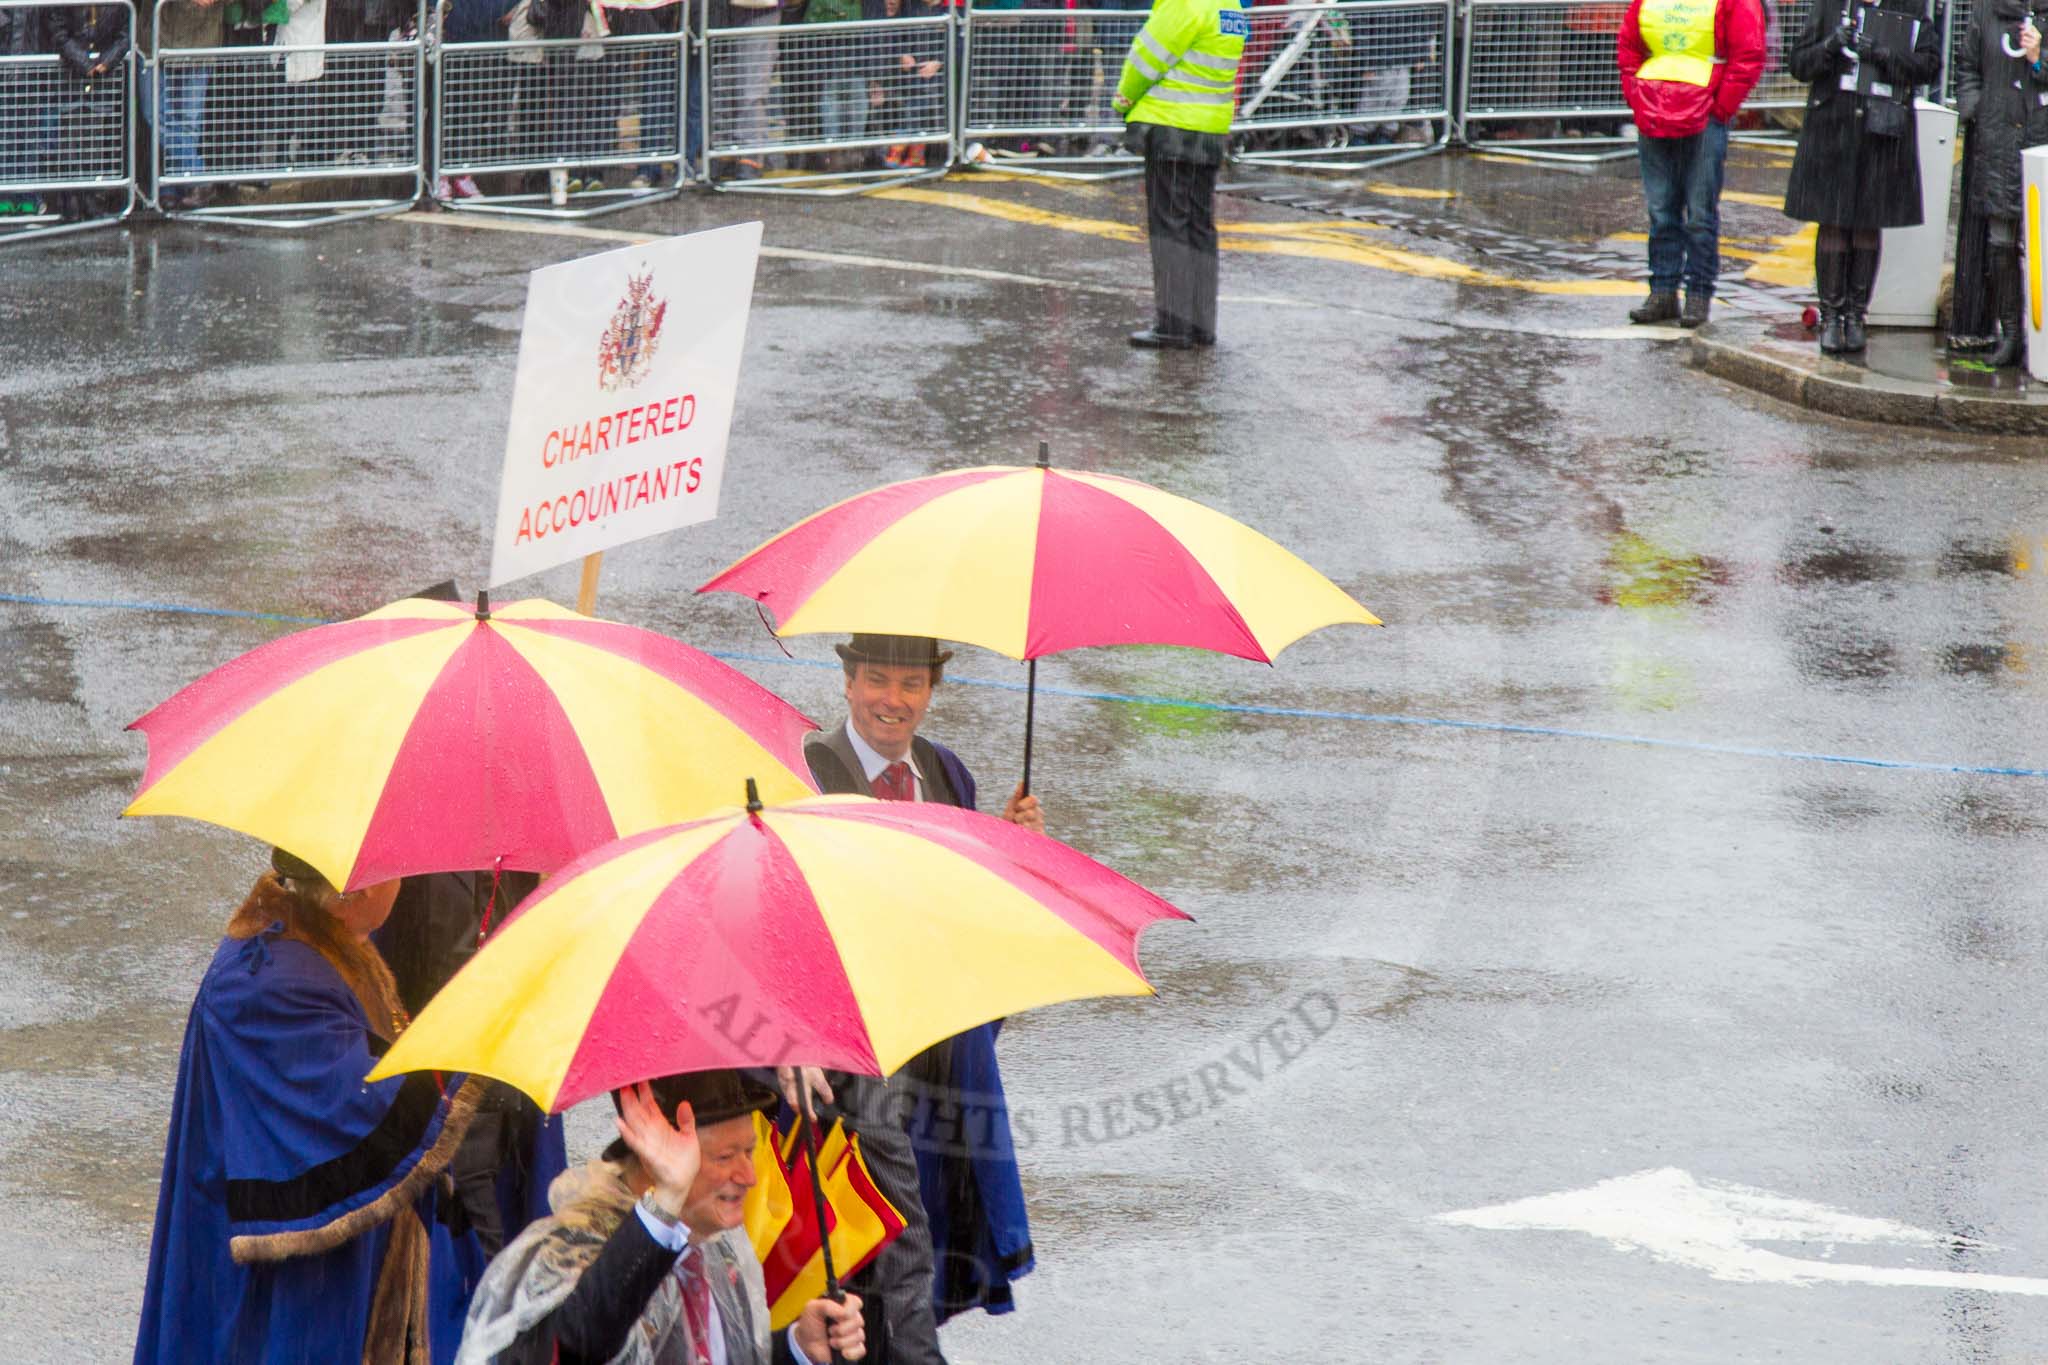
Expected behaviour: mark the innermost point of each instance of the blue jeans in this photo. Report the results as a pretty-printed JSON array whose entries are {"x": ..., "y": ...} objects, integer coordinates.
[
  {"x": 177, "y": 110},
  {"x": 843, "y": 107},
  {"x": 1682, "y": 186}
]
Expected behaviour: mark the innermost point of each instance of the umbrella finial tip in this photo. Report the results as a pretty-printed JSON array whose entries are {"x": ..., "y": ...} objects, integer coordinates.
[
  {"x": 483, "y": 606},
  {"x": 753, "y": 797},
  {"x": 1044, "y": 455}
]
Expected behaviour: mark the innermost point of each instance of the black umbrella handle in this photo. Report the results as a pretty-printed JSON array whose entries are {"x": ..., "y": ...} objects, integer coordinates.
[
  {"x": 1031, "y": 691},
  {"x": 1030, "y": 706},
  {"x": 809, "y": 1119}
]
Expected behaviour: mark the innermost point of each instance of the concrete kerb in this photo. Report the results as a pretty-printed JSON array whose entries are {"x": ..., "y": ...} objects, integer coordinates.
[{"x": 1737, "y": 352}]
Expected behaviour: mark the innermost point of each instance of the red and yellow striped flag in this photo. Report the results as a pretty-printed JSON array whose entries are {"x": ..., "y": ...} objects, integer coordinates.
[{"x": 782, "y": 1220}]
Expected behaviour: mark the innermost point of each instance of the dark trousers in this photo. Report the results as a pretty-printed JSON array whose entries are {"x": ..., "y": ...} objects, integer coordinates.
[
  {"x": 1180, "y": 208},
  {"x": 1682, "y": 186}
]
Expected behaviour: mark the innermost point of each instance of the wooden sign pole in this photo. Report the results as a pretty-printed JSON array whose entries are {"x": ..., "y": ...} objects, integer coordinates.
[{"x": 586, "y": 593}]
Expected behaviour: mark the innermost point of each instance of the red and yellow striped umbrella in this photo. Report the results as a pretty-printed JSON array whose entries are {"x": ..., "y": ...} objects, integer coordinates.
[
  {"x": 835, "y": 931},
  {"x": 1028, "y": 561},
  {"x": 430, "y": 737}
]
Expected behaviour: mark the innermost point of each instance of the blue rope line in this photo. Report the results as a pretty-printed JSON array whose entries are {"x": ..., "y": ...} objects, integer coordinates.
[
  {"x": 1188, "y": 704},
  {"x": 162, "y": 606}
]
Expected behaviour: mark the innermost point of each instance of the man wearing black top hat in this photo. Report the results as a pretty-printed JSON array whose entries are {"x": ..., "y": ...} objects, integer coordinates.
[
  {"x": 890, "y": 680},
  {"x": 645, "y": 1260},
  {"x": 936, "y": 1135}
]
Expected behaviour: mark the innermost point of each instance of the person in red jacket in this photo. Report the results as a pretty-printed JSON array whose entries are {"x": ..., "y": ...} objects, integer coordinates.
[{"x": 1686, "y": 67}]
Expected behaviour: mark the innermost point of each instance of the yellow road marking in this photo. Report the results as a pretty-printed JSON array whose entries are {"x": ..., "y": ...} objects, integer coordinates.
[
  {"x": 1760, "y": 201},
  {"x": 1317, "y": 241},
  {"x": 1741, "y": 248},
  {"x": 1791, "y": 264},
  {"x": 1408, "y": 191}
]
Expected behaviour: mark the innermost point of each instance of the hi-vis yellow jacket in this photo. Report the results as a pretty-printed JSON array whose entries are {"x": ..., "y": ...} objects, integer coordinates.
[{"x": 1182, "y": 68}]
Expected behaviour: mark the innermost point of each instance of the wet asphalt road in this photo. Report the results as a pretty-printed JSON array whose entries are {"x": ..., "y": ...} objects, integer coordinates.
[{"x": 1432, "y": 968}]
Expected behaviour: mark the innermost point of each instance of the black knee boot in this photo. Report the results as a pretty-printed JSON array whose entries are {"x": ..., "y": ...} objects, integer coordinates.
[
  {"x": 1862, "y": 275},
  {"x": 1831, "y": 281},
  {"x": 2005, "y": 289}
]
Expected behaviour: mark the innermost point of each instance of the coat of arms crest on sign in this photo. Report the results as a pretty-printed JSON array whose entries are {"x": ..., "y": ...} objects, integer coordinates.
[{"x": 632, "y": 337}]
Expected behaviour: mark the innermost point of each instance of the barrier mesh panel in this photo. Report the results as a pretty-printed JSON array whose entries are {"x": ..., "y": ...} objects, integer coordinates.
[
  {"x": 1365, "y": 67},
  {"x": 840, "y": 84},
  {"x": 293, "y": 112},
  {"x": 512, "y": 105},
  {"x": 1554, "y": 59},
  {"x": 1047, "y": 72},
  {"x": 830, "y": 85}
]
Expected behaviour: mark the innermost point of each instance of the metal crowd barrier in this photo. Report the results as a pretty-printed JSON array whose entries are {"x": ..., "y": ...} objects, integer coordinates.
[
  {"x": 291, "y": 122},
  {"x": 1360, "y": 82},
  {"x": 1039, "y": 85},
  {"x": 1955, "y": 30},
  {"x": 66, "y": 138},
  {"x": 560, "y": 128},
  {"x": 1775, "y": 89},
  {"x": 1548, "y": 66},
  {"x": 839, "y": 105}
]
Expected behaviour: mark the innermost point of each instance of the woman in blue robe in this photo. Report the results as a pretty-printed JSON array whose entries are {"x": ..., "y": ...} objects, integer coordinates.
[{"x": 289, "y": 1220}]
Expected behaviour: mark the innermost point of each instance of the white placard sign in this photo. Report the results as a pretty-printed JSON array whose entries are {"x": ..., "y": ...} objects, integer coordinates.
[{"x": 623, "y": 400}]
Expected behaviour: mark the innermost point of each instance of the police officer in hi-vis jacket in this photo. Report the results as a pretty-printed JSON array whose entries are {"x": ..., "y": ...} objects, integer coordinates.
[{"x": 1177, "y": 96}]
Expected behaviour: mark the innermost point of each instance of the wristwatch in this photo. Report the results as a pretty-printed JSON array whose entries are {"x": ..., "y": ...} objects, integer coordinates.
[{"x": 657, "y": 1212}]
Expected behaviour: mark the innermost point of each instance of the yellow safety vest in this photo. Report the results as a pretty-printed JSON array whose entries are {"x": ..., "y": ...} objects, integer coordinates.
[
  {"x": 1680, "y": 37},
  {"x": 1182, "y": 68}
]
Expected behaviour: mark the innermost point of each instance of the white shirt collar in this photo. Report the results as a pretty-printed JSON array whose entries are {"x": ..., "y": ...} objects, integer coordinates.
[{"x": 872, "y": 763}]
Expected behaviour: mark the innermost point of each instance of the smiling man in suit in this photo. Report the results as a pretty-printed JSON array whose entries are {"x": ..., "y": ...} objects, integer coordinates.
[{"x": 936, "y": 1134}]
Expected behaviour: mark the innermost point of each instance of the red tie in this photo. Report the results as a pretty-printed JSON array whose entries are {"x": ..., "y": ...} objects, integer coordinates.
[
  {"x": 893, "y": 783},
  {"x": 696, "y": 1303}
]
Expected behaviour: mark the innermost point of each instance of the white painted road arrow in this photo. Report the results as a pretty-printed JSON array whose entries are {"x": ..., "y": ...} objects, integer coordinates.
[{"x": 1713, "y": 1226}]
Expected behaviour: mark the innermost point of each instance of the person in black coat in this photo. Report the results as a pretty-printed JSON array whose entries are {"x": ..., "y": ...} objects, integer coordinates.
[
  {"x": 2002, "y": 100},
  {"x": 1857, "y": 170},
  {"x": 92, "y": 41},
  {"x": 23, "y": 86}
]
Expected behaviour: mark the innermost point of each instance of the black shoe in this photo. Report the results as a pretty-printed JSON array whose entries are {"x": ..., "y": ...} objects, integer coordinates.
[
  {"x": 1696, "y": 305},
  {"x": 1152, "y": 339},
  {"x": 1854, "y": 335},
  {"x": 1862, "y": 277},
  {"x": 1831, "y": 320},
  {"x": 1831, "y": 282},
  {"x": 1203, "y": 338},
  {"x": 2005, "y": 291},
  {"x": 1661, "y": 306}
]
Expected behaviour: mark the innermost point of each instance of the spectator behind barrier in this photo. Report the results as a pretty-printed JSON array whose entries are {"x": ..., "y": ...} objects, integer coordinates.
[
  {"x": 90, "y": 108},
  {"x": 648, "y": 81},
  {"x": 740, "y": 100},
  {"x": 572, "y": 91},
  {"x": 480, "y": 91},
  {"x": 354, "y": 94},
  {"x": 24, "y": 87},
  {"x": 1387, "y": 50},
  {"x": 909, "y": 88},
  {"x": 296, "y": 103},
  {"x": 843, "y": 86},
  {"x": 173, "y": 94}
]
